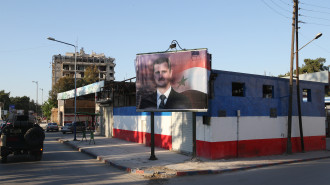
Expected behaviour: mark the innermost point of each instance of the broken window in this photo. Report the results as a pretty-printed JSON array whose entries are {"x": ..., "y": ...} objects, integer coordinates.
[
  {"x": 307, "y": 95},
  {"x": 267, "y": 91},
  {"x": 238, "y": 89}
]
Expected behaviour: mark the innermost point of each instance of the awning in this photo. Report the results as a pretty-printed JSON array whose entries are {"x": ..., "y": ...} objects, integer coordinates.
[{"x": 88, "y": 89}]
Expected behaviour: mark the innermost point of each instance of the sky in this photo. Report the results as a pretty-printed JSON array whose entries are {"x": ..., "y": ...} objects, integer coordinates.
[{"x": 243, "y": 36}]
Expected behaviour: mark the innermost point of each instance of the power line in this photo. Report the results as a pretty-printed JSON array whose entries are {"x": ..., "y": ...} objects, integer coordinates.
[
  {"x": 324, "y": 49},
  {"x": 275, "y": 10},
  {"x": 280, "y": 6},
  {"x": 318, "y": 6},
  {"x": 286, "y": 3},
  {"x": 314, "y": 11},
  {"x": 316, "y": 24},
  {"x": 314, "y": 17}
]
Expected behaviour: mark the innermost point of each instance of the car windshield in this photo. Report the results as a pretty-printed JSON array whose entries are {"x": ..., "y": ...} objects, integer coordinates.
[
  {"x": 52, "y": 124},
  {"x": 68, "y": 124}
]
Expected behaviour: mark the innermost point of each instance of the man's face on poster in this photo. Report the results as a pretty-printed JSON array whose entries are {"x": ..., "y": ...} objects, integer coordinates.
[{"x": 162, "y": 74}]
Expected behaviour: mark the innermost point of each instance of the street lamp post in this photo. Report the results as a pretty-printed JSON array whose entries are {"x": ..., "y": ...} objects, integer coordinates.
[
  {"x": 75, "y": 82},
  {"x": 36, "y": 99},
  {"x": 298, "y": 86},
  {"x": 42, "y": 100}
]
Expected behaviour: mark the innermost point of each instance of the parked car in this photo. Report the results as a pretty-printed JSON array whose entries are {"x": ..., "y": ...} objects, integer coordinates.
[
  {"x": 2, "y": 125},
  {"x": 51, "y": 127},
  {"x": 69, "y": 127}
]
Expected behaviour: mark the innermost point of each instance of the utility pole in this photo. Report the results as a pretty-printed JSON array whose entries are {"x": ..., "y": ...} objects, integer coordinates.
[
  {"x": 289, "y": 144},
  {"x": 36, "y": 99},
  {"x": 297, "y": 83}
]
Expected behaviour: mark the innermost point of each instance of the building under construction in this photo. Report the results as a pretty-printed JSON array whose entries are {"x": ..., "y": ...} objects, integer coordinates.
[{"x": 64, "y": 65}]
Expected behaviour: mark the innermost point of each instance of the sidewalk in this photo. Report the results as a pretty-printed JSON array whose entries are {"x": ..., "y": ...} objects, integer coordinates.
[{"x": 134, "y": 158}]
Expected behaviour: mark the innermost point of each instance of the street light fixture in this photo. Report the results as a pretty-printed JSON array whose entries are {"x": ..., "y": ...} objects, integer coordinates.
[
  {"x": 316, "y": 37},
  {"x": 75, "y": 82},
  {"x": 36, "y": 99},
  {"x": 298, "y": 88},
  {"x": 289, "y": 145}
]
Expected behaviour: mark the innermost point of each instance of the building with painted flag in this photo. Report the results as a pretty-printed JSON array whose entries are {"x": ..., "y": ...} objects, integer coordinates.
[
  {"x": 247, "y": 116},
  {"x": 238, "y": 114}
]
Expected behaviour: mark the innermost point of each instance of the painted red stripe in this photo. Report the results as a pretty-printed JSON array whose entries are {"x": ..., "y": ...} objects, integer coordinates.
[
  {"x": 191, "y": 64},
  {"x": 76, "y": 115},
  {"x": 259, "y": 147},
  {"x": 228, "y": 149},
  {"x": 163, "y": 141}
]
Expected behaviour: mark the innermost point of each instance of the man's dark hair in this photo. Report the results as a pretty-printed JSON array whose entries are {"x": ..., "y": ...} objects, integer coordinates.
[{"x": 162, "y": 60}]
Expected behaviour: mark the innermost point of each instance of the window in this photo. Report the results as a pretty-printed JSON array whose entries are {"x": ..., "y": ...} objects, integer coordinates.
[
  {"x": 237, "y": 89},
  {"x": 307, "y": 95},
  {"x": 267, "y": 91},
  {"x": 206, "y": 120},
  {"x": 66, "y": 67},
  {"x": 102, "y": 68}
]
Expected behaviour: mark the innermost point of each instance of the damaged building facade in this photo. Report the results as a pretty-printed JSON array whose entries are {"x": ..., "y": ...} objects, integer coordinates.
[{"x": 64, "y": 65}]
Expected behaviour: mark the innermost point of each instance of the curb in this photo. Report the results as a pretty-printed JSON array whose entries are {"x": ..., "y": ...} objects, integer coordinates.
[
  {"x": 108, "y": 162},
  {"x": 182, "y": 173},
  {"x": 204, "y": 172}
]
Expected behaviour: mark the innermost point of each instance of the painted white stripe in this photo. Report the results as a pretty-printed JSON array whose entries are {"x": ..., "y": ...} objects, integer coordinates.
[
  {"x": 196, "y": 78},
  {"x": 136, "y": 123},
  {"x": 225, "y": 128}
]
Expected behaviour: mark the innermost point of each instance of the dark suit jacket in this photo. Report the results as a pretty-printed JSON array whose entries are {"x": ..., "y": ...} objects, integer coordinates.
[{"x": 174, "y": 101}]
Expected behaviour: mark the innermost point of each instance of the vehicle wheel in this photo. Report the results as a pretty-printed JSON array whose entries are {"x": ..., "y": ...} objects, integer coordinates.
[
  {"x": 34, "y": 136},
  {"x": 4, "y": 159}
]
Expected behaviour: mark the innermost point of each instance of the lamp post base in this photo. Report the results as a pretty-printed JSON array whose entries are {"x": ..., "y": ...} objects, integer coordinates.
[{"x": 153, "y": 158}]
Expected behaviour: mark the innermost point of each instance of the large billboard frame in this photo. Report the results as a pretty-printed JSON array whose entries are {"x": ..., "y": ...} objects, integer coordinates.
[{"x": 188, "y": 73}]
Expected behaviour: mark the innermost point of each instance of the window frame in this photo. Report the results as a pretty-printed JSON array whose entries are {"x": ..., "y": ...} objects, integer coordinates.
[
  {"x": 242, "y": 88},
  {"x": 264, "y": 95}
]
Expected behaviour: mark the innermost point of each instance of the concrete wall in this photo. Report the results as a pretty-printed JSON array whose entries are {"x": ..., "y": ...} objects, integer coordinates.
[
  {"x": 54, "y": 116},
  {"x": 255, "y": 132}
]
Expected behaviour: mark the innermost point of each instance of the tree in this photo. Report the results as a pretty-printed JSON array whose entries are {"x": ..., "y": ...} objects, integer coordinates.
[
  {"x": 24, "y": 103},
  {"x": 47, "y": 108},
  {"x": 312, "y": 66},
  {"x": 62, "y": 85},
  {"x": 91, "y": 74},
  {"x": 5, "y": 98}
]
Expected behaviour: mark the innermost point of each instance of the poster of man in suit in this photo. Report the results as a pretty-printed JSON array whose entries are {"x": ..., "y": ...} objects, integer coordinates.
[{"x": 172, "y": 81}]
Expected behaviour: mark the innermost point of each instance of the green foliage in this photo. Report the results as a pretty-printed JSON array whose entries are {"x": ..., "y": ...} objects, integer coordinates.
[
  {"x": 21, "y": 103},
  {"x": 310, "y": 66},
  {"x": 63, "y": 84},
  {"x": 47, "y": 108},
  {"x": 91, "y": 74},
  {"x": 5, "y": 98}
]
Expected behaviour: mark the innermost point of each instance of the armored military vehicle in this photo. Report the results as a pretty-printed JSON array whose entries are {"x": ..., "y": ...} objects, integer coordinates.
[{"x": 21, "y": 135}]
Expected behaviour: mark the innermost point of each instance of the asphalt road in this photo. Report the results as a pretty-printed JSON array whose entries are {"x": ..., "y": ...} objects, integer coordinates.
[
  {"x": 305, "y": 173},
  {"x": 63, "y": 165}
]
